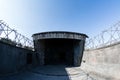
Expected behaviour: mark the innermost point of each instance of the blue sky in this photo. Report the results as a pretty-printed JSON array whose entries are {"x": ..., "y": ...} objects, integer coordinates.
[{"x": 83, "y": 16}]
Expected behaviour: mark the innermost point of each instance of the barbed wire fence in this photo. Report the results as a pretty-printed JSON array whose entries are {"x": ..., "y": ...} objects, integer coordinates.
[
  {"x": 107, "y": 37},
  {"x": 10, "y": 34}
]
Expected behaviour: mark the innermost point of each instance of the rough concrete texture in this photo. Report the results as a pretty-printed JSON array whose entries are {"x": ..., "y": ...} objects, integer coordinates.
[
  {"x": 103, "y": 63},
  {"x": 13, "y": 59},
  {"x": 50, "y": 73}
]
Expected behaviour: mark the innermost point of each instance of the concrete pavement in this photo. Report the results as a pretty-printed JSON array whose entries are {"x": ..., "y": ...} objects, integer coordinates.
[{"x": 59, "y": 72}]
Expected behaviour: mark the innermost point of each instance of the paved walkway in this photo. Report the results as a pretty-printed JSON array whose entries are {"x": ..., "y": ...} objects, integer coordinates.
[{"x": 50, "y": 72}]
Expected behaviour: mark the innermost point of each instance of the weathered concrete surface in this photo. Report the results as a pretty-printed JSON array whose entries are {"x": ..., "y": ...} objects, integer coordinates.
[
  {"x": 50, "y": 73},
  {"x": 59, "y": 35},
  {"x": 13, "y": 59},
  {"x": 59, "y": 47},
  {"x": 104, "y": 63}
]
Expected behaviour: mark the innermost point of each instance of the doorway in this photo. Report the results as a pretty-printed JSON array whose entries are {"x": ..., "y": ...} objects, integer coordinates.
[
  {"x": 58, "y": 52},
  {"x": 29, "y": 58}
]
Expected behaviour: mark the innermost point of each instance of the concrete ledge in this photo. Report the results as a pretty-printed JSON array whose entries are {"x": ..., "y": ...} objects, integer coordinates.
[{"x": 59, "y": 34}]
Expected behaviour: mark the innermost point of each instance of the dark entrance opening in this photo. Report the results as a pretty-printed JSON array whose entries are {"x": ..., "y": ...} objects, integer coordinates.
[
  {"x": 59, "y": 51},
  {"x": 29, "y": 58}
]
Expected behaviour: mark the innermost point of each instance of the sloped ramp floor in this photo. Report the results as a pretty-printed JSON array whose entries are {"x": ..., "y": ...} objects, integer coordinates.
[{"x": 50, "y": 72}]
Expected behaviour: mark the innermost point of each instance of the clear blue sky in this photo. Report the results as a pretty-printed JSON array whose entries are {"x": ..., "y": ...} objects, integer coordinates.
[{"x": 84, "y": 16}]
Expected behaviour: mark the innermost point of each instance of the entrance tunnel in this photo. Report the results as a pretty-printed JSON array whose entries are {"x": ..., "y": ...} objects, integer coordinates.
[
  {"x": 59, "y": 51},
  {"x": 56, "y": 48}
]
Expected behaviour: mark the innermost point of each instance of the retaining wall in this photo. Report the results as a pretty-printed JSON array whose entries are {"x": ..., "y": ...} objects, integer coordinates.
[
  {"x": 103, "y": 63},
  {"x": 14, "y": 59}
]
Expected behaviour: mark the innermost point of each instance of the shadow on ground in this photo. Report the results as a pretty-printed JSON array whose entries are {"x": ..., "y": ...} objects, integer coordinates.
[{"x": 50, "y": 72}]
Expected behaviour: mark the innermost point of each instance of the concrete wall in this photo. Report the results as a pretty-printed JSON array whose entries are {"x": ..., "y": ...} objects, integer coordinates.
[
  {"x": 104, "y": 63},
  {"x": 14, "y": 59},
  {"x": 40, "y": 49},
  {"x": 78, "y": 52}
]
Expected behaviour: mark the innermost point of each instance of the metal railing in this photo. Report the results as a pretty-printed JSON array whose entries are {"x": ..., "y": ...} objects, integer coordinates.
[
  {"x": 105, "y": 38},
  {"x": 7, "y": 33}
]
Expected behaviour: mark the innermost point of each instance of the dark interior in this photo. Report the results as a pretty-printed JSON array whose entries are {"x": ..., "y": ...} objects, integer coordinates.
[
  {"x": 29, "y": 58},
  {"x": 59, "y": 51}
]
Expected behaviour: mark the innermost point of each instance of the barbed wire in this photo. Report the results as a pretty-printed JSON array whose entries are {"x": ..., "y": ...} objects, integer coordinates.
[
  {"x": 10, "y": 34},
  {"x": 105, "y": 38}
]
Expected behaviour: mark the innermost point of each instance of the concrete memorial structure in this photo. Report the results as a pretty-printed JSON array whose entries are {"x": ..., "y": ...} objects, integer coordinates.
[{"x": 59, "y": 47}]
